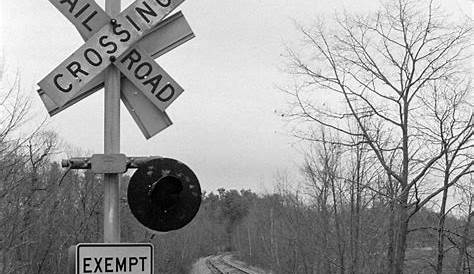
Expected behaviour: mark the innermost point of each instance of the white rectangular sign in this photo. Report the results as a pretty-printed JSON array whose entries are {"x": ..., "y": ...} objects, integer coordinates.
[{"x": 114, "y": 258}]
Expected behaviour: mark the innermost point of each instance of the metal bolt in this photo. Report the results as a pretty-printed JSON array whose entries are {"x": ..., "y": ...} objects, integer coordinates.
[
  {"x": 113, "y": 21},
  {"x": 65, "y": 163},
  {"x": 112, "y": 58}
]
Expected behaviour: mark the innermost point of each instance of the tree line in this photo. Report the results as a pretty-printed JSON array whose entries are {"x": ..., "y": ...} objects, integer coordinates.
[{"x": 390, "y": 93}]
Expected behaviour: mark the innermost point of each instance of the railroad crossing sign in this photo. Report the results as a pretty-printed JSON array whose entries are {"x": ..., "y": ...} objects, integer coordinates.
[
  {"x": 129, "y": 42},
  {"x": 113, "y": 258}
]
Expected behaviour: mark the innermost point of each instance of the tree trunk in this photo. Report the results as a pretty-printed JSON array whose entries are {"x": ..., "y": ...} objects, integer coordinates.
[
  {"x": 340, "y": 244},
  {"x": 352, "y": 240},
  {"x": 273, "y": 246},
  {"x": 442, "y": 218},
  {"x": 357, "y": 229},
  {"x": 250, "y": 242},
  {"x": 355, "y": 217},
  {"x": 391, "y": 231},
  {"x": 402, "y": 205},
  {"x": 402, "y": 233},
  {"x": 324, "y": 253},
  {"x": 465, "y": 239}
]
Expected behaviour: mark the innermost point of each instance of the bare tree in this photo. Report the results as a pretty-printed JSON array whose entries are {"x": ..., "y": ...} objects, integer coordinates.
[
  {"x": 466, "y": 239},
  {"x": 36, "y": 213},
  {"x": 373, "y": 70},
  {"x": 321, "y": 170},
  {"x": 13, "y": 110},
  {"x": 447, "y": 124}
]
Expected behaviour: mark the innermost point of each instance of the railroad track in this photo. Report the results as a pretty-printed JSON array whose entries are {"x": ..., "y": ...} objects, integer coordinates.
[{"x": 220, "y": 264}]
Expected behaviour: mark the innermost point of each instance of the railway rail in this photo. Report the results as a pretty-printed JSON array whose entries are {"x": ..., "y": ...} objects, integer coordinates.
[{"x": 221, "y": 264}]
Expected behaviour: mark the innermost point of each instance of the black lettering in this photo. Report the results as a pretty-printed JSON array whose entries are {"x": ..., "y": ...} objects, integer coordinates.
[
  {"x": 97, "y": 264},
  {"x": 148, "y": 69},
  {"x": 86, "y": 265},
  {"x": 130, "y": 263},
  {"x": 165, "y": 4},
  {"x": 108, "y": 263},
  {"x": 84, "y": 23},
  {"x": 72, "y": 4},
  {"x": 108, "y": 44},
  {"x": 134, "y": 57},
  {"x": 97, "y": 56},
  {"x": 154, "y": 82},
  {"x": 75, "y": 70},
  {"x": 56, "y": 77},
  {"x": 133, "y": 23},
  {"x": 148, "y": 11},
  {"x": 121, "y": 265},
  {"x": 143, "y": 262},
  {"x": 116, "y": 31},
  {"x": 83, "y": 9},
  {"x": 167, "y": 86}
]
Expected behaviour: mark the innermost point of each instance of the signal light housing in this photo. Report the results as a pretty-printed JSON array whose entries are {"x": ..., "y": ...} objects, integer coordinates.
[{"x": 164, "y": 194}]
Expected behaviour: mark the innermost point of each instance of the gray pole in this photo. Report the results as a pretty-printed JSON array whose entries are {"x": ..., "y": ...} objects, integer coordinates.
[{"x": 112, "y": 141}]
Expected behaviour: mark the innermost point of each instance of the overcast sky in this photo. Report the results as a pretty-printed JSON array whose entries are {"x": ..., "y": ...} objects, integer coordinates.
[{"x": 226, "y": 123}]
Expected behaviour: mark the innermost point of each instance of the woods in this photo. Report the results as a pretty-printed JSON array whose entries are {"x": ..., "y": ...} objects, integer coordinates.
[
  {"x": 396, "y": 85},
  {"x": 335, "y": 221},
  {"x": 382, "y": 103}
]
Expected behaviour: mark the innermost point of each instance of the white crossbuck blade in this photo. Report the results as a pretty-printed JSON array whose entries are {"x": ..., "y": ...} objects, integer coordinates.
[{"x": 152, "y": 89}]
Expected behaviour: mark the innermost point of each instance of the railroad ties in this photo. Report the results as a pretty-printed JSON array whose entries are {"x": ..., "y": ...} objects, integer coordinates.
[{"x": 222, "y": 264}]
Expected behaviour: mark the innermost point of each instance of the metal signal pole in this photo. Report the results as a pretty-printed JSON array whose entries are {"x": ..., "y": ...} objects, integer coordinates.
[{"x": 112, "y": 141}]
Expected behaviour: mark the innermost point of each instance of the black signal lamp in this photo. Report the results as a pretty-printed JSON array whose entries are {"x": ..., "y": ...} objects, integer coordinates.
[{"x": 164, "y": 194}]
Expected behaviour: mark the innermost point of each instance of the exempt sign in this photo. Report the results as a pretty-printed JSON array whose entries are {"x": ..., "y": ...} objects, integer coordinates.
[{"x": 114, "y": 258}]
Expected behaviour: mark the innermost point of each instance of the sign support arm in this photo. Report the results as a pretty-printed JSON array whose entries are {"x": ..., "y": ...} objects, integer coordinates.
[{"x": 112, "y": 142}]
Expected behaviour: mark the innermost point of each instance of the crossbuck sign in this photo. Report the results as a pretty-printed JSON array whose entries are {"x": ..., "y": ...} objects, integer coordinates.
[{"x": 147, "y": 90}]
